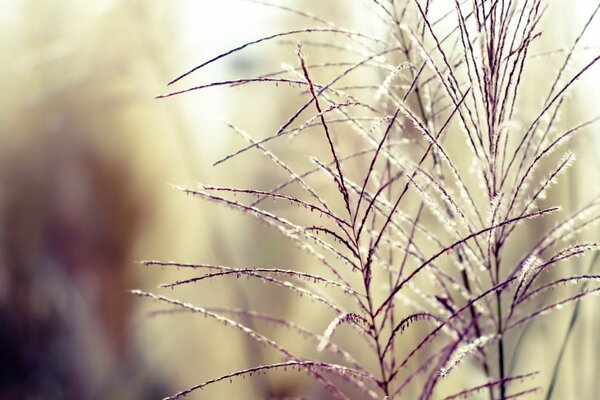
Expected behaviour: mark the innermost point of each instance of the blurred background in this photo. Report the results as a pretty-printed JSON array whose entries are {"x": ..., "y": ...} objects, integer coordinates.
[{"x": 86, "y": 156}]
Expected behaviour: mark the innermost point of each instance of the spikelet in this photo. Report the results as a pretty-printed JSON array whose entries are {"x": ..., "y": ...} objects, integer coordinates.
[
  {"x": 350, "y": 318},
  {"x": 385, "y": 87},
  {"x": 463, "y": 352}
]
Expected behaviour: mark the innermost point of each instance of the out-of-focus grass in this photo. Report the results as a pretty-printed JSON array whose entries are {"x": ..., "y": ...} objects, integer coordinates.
[{"x": 86, "y": 153}]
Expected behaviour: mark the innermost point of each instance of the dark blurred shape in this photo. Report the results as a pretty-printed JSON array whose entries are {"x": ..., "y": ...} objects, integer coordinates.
[
  {"x": 69, "y": 218},
  {"x": 71, "y": 204}
]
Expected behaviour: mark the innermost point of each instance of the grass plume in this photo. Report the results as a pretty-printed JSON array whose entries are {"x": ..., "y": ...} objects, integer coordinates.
[{"x": 422, "y": 185}]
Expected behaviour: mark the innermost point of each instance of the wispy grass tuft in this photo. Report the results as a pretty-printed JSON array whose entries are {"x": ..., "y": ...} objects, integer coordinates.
[{"x": 423, "y": 186}]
